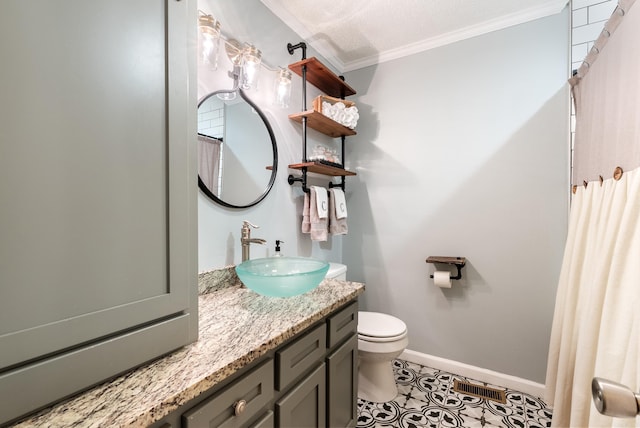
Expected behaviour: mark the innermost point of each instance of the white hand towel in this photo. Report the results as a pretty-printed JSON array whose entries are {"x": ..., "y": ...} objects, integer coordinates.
[
  {"x": 337, "y": 226},
  {"x": 319, "y": 226},
  {"x": 306, "y": 219},
  {"x": 322, "y": 201},
  {"x": 340, "y": 203}
]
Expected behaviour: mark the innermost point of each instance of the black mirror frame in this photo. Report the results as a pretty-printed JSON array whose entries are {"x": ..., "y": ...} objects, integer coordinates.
[{"x": 274, "y": 146}]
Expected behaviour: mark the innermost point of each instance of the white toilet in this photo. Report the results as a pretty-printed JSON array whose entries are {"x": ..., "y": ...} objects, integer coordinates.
[
  {"x": 337, "y": 271},
  {"x": 381, "y": 338}
]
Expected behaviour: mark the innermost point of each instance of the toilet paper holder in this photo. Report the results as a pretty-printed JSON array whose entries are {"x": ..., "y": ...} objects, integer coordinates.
[{"x": 458, "y": 262}]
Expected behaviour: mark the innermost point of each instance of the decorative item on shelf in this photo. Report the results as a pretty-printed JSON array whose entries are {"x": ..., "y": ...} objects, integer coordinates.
[
  {"x": 342, "y": 111},
  {"x": 208, "y": 39},
  {"x": 325, "y": 155}
]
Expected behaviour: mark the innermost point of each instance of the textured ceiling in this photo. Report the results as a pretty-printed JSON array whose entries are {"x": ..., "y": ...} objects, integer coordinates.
[{"x": 352, "y": 34}]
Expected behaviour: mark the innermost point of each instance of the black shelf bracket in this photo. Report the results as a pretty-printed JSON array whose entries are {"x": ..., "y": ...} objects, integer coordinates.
[
  {"x": 292, "y": 48},
  {"x": 341, "y": 185},
  {"x": 303, "y": 179}
]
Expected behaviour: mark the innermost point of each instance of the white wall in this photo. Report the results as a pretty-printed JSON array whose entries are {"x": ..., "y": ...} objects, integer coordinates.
[
  {"x": 279, "y": 214},
  {"x": 587, "y": 21},
  {"x": 463, "y": 151}
]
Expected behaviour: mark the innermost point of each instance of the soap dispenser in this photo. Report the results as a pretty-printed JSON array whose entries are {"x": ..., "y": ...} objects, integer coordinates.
[{"x": 277, "y": 254}]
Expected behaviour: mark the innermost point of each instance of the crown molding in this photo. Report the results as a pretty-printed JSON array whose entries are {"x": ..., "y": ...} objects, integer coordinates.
[{"x": 549, "y": 8}]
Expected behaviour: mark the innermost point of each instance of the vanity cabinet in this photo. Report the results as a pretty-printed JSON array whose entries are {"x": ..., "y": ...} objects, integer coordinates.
[
  {"x": 309, "y": 381},
  {"x": 98, "y": 256}
]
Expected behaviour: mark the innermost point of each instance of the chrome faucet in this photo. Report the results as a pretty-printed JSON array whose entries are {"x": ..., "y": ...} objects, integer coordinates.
[{"x": 247, "y": 240}]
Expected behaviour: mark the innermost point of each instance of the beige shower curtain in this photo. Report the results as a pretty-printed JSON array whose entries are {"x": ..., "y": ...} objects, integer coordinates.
[
  {"x": 209, "y": 150},
  {"x": 595, "y": 330},
  {"x": 596, "y": 325}
]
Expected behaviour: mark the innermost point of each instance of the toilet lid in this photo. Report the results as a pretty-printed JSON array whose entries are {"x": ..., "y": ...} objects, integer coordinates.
[{"x": 375, "y": 324}]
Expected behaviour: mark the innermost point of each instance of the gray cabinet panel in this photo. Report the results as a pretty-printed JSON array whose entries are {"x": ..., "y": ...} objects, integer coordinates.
[
  {"x": 267, "y": 421},
  {"x": 342, "y": 324},
  {"x": 298, "y": 357},
  {"x": 342, "y": 384},
  {"x": 255, "y": 390},
  {"x": 85, "y": 366},
  {"x": 97, "y": 179},
  {"x": 305, "y": 405}
]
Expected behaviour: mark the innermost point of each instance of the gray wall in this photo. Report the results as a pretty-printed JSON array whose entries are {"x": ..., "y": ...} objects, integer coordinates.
[{"x": 463, "y": 151}]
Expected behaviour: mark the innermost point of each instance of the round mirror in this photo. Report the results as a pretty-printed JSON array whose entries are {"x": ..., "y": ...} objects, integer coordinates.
[{"x": 237, "y": 152}]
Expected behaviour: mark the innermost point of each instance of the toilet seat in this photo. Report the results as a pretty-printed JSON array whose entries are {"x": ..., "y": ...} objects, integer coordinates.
[
  {"x": 378, "y": 327},
  {"x": 374, "y": 339}
]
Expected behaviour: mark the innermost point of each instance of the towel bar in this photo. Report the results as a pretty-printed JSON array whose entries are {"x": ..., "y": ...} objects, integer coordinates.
[{"x": 303, "y": 180}]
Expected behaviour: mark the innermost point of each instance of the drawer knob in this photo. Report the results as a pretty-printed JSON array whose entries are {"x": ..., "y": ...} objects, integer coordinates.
[{"x": 239, "y": 407}]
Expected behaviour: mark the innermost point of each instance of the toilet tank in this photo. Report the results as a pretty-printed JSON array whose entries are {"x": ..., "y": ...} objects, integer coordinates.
[{"x": 337, "y": 271}]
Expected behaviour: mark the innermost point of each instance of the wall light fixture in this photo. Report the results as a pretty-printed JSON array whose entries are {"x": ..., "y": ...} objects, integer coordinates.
[
  {"x": 251, "y": 60},
  {"x": 208, "y": 40},
  {"x": 282, "y": 88},
  {"x": 245, "y": 58}
]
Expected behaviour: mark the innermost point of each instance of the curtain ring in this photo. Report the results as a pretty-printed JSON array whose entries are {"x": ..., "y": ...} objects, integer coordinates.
[
  {"x": 585, "y": 184},
  {"x": 574, "y": 189},
  {"x": 617, "y": 173},
  {"x": 601, "y": 180}
]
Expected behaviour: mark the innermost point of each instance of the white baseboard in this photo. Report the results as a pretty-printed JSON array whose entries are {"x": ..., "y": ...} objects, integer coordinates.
[{"x": 476, "y": 373}]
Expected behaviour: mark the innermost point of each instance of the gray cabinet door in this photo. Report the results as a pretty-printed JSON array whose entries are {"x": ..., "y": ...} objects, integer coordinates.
[
  {"x": 305, "y": 405},
  {"x": 298, "y": 357},
  {"x": 97, "y": 182},
  {"x": 342, "y": 385}
]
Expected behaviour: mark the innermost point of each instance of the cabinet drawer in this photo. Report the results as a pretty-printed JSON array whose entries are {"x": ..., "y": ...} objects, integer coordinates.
[
  {"x": 298, "y": 357},
  {"x": 342, "y": 324},
  {"x": 223, "y": 409}
]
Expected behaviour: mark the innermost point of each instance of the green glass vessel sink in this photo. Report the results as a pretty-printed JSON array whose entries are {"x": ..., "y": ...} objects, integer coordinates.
[{"x": 282, "y": 276}]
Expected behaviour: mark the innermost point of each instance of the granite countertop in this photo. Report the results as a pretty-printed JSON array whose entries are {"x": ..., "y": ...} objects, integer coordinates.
[{"x": 236, "y": 325}]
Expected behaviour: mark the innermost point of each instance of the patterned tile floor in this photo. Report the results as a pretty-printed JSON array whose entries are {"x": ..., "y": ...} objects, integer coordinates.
[{"x": 426, "y": 399}]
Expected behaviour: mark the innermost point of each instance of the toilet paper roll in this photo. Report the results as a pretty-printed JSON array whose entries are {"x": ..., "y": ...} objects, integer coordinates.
[{"x": 442, "y": 279}]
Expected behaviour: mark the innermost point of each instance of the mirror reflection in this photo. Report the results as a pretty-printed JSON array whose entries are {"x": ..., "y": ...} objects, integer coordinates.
[{"x": 236, "y": 145}]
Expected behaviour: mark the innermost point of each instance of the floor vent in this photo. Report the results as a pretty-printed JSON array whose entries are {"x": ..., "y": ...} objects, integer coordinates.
[{"x": 480, "y": 391}]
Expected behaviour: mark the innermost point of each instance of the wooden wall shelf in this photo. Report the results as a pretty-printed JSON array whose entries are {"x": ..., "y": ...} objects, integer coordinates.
[
  {"x": 323, "y": 78},
  {"x": 323, "y": 169},
  {"x": 447, "y": 260},
  {"x": 322, "y": 123},
  {"x": 313, "y": 71}
]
